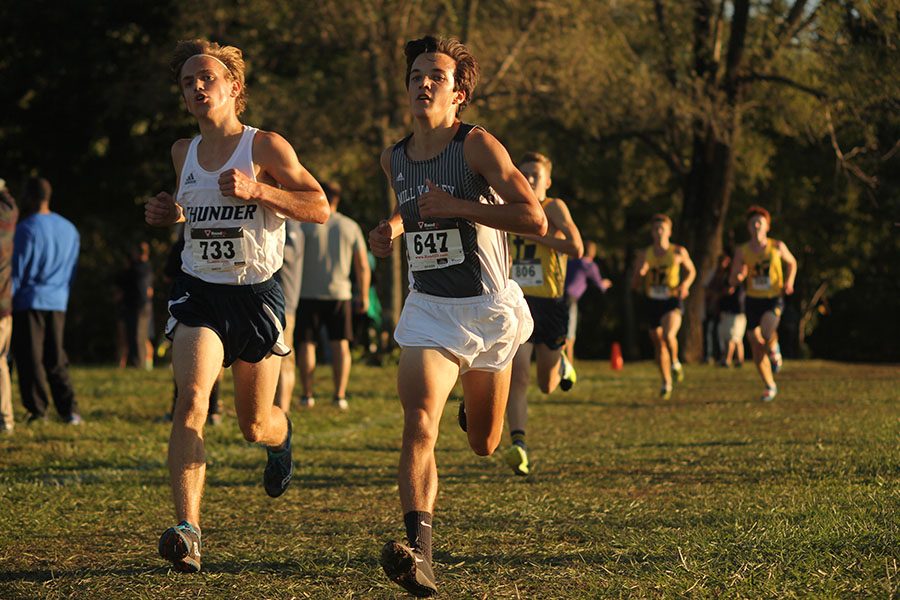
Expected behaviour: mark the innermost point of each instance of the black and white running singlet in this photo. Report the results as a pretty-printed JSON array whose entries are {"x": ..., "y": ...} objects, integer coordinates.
[{"x": 448, "y": 257}]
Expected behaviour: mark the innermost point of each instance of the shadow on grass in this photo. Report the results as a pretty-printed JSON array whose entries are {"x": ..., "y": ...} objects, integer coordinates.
[
  {"x": 309, "y": 569},
  {"x": 42, "y": 575}
]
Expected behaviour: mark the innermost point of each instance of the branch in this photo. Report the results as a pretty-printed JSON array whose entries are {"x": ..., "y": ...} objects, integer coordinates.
[
  {"x": 789, "y": 28},
  {"x": 512, "y": 54},
  {"x": 890, "y": 153},
  {"x": 667, "y": 42},
  {"x": 870, "y": 181},
  {"x": 783, "y": 80}
]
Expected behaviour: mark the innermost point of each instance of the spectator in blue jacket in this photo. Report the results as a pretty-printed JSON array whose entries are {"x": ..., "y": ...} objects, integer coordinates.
[{"x": 45, "y": 254}]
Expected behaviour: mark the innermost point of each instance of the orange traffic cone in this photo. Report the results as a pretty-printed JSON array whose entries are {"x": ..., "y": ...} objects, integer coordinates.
[{"x": 615, "y": 357}]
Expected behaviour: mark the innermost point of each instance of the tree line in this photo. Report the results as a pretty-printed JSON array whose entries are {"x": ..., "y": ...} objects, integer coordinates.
[{"x": 696, "y": 109}]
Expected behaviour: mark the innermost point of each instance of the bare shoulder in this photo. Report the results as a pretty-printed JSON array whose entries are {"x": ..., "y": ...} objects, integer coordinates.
[
  {"x": 180, "y": 148},
  {"x": 557, "y": 206},
  {"x": 480, "y": 140},
  {"x": 484, "y": 152},
  {"x": 269, "y": 143},
  {"x": 179, "y": 152},
  {"x": 386, "y": 160}
]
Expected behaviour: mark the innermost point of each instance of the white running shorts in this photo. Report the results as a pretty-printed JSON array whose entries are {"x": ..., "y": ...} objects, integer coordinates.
[{"x": 482, "y": 332}]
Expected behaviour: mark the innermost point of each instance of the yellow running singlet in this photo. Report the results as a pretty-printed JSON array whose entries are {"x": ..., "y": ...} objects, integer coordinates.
[
  {"x": 538, "y": 269},
  {"x": 765, "y": 278},
  {"x": 664, "y": 275}
]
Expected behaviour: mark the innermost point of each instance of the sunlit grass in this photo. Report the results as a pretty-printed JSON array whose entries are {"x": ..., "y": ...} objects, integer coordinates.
[{"x": 712, "y": 494}]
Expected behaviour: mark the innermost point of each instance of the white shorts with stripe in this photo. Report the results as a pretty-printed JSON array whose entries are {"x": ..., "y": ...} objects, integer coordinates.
[{"x": 482, "y": 332}]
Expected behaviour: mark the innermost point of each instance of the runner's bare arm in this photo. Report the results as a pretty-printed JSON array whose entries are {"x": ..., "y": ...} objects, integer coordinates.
[
  {"x": 162, "y": 210},
  {"x": 738, "y": 269},
  {"x": 560, "y": 221},
  {"x": 521, "y": 213},
  {"x": 382, "y": 236},
  {"x": 790, "y": 268},
  {"x": 688, "y": 265},
  {"x": 294, "y": 192}
]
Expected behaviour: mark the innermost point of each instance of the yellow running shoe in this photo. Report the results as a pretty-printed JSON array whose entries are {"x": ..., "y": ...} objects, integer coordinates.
[
  {"x": 567, "y": 375},
  {"x": 517, "y": 458}
]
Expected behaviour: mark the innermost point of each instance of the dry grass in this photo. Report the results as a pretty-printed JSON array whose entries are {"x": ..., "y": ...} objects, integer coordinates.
[{"x": 710, "y": 495}]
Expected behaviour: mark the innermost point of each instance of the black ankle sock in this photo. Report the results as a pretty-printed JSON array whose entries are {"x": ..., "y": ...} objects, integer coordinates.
[
  {"x": 418, "y": 531},
  {"x": 518, "y": 438}
]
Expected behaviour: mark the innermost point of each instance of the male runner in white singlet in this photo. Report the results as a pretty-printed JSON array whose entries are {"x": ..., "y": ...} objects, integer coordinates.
[{"x": 236, "y": 186}]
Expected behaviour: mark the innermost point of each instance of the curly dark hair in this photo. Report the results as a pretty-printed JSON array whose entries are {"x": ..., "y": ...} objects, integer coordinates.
[{"x": 465, "y": 77}]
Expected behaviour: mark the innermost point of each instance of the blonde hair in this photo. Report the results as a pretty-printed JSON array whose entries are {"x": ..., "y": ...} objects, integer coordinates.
[
  {"x": 537, "y": 157},
  {"x": 232, "y": 58}
]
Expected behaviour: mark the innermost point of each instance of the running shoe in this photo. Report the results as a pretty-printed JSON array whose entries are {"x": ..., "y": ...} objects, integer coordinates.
[
  {"x": 340, "y": 403},
  {"x": 74, "y": 419},
  {"x": 181, "y": 546},
  {"x": 517, "y": 458},
  {"x": 461, "y": 415},
  {"x": 279, "y": 467},
  {"x": 769, "y": 394},
  {"x": 665, "y": 392},
  {"x": 567, "y": 375},
  {"x": 307, "y": 401},
  {"x": 679, "y": 372},
  {"x": 408, "y": 568}
]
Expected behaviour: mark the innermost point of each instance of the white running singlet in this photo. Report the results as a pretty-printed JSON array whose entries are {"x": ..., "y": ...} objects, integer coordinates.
[{"x": 227, "y": 240}]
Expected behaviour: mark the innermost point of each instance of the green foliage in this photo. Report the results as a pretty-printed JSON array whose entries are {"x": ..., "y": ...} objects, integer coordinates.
[{"x": 610, "y": 90}]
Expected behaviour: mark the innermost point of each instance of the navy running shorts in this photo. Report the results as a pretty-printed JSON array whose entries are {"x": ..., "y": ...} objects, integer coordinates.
[
  {"x": 551, "y": 321},
  {"x": 657, "y": 309},
  {"x": 755, "y": 308},
  {"x": 249, "y": 319}
]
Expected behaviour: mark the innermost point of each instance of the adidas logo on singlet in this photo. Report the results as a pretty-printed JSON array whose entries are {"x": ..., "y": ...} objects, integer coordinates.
[
  {"x": 190, "y": 179},
  {"x": 400, "y": 177}
]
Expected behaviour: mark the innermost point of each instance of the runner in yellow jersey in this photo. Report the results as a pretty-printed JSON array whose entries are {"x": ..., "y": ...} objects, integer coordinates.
[
  {"x": 665, "y": 272},
  {"x": 539, "y": 267},
  {"x": 768, "y": 269}
]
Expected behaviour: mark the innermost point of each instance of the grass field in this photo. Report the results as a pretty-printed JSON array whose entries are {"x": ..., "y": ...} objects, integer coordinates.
[{"x": 710, "y": 495}]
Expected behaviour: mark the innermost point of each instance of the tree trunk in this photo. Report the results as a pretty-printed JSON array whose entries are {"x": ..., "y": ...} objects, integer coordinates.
[{"x": 706, "y": 200}]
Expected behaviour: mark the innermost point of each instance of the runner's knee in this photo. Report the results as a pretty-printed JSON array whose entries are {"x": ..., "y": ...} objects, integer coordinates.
[
  {"x": 253, "y": 430},
  {"x": 484, "y": 445},
  {"x": 419, "y": 426},
  {"x": 191, "y": 407}
]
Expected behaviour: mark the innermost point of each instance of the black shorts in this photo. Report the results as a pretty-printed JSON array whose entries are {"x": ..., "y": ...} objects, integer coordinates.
[
  {"x": 249, "y": 319},
  {"x": 755, "y": 308},
  {"x": 336, "y": 315},
  {"x": 657, "y": 309},
  {"x": 551, "y": 321}
]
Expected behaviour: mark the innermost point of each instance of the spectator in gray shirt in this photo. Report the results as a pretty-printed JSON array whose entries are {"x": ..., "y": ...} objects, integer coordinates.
[{"x": 330, "y": 252}]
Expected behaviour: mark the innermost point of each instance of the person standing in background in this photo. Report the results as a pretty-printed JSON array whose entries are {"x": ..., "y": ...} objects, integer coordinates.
[
  {"x": 135, "y": 290},
  {"x": 330, "y": 251},
  {"x": 9, "y": 214},
  {"x": 579, "y": 273},
  {"x": 289, "y": 276},
  {"x": 45, "y": 255}
]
